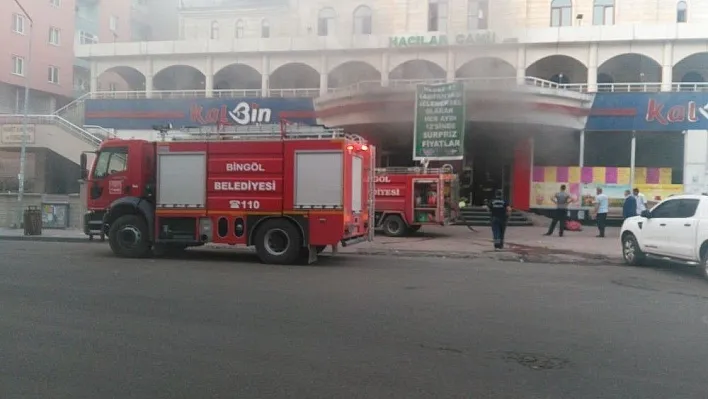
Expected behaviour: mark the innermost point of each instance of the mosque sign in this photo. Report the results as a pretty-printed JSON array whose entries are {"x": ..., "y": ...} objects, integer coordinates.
[
  {"x": 439, "y": 126},
  {"x": 462, "y": 39}
]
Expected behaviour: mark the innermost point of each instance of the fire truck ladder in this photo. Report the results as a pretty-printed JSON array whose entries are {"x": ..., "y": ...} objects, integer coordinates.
[
  {"x": 402, "y": 170},
  {"x": 372, "y": 194},
  {"x": 272, "y": 131}
]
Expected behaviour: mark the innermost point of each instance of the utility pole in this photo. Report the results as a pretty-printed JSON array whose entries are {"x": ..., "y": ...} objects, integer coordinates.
[{"x": 25, "y": 116}]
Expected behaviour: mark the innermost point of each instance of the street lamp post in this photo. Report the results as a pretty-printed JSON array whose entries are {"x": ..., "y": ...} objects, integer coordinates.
[{"x": 25, "y": 117}]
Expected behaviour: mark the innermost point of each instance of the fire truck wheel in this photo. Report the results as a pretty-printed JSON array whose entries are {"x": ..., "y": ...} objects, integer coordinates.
[
  {"x": 278, "y": 241},
  {"x": 128, "y": 237},
  {"x": 394, "y": 226}
]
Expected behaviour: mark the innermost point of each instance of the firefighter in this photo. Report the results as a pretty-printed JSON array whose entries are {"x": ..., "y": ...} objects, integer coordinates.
[{"x": 500, "y": 210}]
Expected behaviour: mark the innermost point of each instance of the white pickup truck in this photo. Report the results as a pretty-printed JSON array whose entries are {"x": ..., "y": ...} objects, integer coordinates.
[{"x": 676, "y": 228}]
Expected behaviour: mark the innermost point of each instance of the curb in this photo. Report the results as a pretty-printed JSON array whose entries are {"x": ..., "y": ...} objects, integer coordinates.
[
  {"x": 502, "y": 256},
  {"x": 47, "y": 239}
]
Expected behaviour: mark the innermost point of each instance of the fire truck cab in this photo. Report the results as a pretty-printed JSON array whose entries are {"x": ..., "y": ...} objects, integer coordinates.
[
  {"x": 409, "y": 198},
  {"x": 287, "y": 190}
]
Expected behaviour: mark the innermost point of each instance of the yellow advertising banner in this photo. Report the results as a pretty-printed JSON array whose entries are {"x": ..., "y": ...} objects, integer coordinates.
[
  {"x": 623, "y": 175},
  {"x": 640, "y": 175},
  {"x": 574, "y": 174},
  {"x": 598, "y": 174},
  {"x": 655, "y": 193},
  {"x": 665, "y": 176}
]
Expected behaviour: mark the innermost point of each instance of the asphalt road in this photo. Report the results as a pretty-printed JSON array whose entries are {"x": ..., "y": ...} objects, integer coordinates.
[{"x": 77, "y": 323}]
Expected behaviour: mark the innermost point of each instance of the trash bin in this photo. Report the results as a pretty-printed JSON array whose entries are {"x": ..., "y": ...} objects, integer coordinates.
[{"x": 33, "y": 221}]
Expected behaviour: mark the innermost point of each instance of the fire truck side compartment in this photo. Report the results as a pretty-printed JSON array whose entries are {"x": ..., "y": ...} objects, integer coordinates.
[{"x": 319, "y": 179}]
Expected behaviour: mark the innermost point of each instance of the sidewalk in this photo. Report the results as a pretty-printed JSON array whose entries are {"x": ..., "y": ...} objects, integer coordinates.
[{"x": 522, "y": 244}]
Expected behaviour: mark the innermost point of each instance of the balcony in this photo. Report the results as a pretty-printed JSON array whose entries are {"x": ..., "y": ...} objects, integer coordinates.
[{"x": 87, "y": 23}]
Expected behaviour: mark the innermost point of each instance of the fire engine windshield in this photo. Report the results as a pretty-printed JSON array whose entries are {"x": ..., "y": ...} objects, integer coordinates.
[{"x": 111, "y": 161}]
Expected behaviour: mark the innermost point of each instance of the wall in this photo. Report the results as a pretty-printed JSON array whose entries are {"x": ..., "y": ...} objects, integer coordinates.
[
  {"x": 695, "y": 172},
  {"x": 43, "y": 54},
  {"x": 9, "y": 207}
]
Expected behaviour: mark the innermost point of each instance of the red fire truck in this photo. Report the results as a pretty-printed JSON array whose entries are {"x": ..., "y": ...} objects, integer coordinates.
[
  {"x": 409, "y": 198},
  {"x": 289, "y": 190}
]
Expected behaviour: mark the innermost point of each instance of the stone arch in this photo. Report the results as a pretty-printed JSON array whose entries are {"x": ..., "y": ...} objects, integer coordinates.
[
  {"x": 417, "y": 69},
  {"x": 691, "y": 69},
  {"x": 122, "y": 78},
  {"x": 179, "y": 77},
  {"x": 559, "y": 68},
  {"x": 237, "y": 77},
  {"x": 295, "y": 75},
  {"x": 486, "y": 67},
  {"x": 351, "y": 72},
  {"x": 631, "y": 68}
]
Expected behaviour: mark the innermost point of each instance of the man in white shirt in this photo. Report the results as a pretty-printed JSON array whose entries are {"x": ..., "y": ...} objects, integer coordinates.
[
  {"x": 641, "y": 201},
  {"x": 602, "y": 206}
]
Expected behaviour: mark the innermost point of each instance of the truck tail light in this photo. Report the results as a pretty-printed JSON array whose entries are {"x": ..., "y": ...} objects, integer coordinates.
[
  {"x": 364, "y": 147},
  {"x": 350, "y": 148}
]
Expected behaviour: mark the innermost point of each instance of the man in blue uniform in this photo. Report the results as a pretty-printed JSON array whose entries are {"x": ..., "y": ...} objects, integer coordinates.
[
  {"x": 629, "y": 208},
  {"x": 500, "y": 211}
]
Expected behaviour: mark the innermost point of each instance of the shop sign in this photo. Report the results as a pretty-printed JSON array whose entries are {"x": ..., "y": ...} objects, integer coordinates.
[
  {"x": 462, "y": 39},
  {"x": 439, "y": 125},
  {"x": 12, "y": 134}
]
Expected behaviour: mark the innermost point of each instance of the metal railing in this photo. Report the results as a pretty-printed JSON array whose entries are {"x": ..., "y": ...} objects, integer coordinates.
[
  {"x": 273, "y": 131},
  {"x": 644, "y": 87},
  {"x": 56, "y": 120},
  {"x": 402, "y": 170}
]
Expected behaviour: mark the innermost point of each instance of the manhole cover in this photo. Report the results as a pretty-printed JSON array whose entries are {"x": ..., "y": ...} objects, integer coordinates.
[{"x": 535, "y": 361}]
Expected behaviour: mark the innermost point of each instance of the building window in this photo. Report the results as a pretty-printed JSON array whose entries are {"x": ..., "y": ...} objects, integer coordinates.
[
  {"x": 477, "y": 15},
  {"x": 325, "y": 22},
  {"x": 265, "y": 28},
  {"x": 54, "y": 36},
  {"x": 561, "y": 13},
  {"x": 437, "y": 15},
  {"x": 18, "y": 23},
  {"x": 55, "y": 3},
  {"x": 87, "y": 38},
  {"x": 53, "y": 74},
  {"x": 214, "y": 30},
  {"x": 18, "y": 65},
  {"x": 362, "y": 20},
  {"x": 681, "y": 12},
  {"x": 113, "y": 24},
  {"x": 240, "y": 29},
  {"x": 603, "y": 12}
]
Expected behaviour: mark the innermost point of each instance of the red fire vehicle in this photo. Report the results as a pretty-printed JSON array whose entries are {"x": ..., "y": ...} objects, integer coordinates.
[
  {"x": 286, "y": 189},
  {"x": 409, "y": 198}
]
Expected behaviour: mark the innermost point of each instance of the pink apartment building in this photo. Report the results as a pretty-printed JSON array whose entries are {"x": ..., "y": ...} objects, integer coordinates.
[{"x": 50, "y": 69}]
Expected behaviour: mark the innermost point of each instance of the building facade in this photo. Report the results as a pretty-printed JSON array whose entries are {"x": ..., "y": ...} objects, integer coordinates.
[{"x": 47, "y": 66}]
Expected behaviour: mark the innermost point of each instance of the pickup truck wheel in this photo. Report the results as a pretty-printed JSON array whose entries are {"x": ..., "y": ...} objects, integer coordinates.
[
  {"x": 128, "y": 237},
  {"x": 703, "y": 266},
  {"x": 279, "y": 242},
  {"x": 631, "y": 253},
  {"x": 394, "y": 226}
]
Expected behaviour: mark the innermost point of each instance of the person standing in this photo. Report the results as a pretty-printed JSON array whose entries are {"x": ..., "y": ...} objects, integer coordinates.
[
  {"x": 641, "y": 201},
  {"x": 561, "y": 199},
  {"x": 629, "y": 208},
  {"x": 602, "y": 206},
  {"x": 500, "y": 210}
]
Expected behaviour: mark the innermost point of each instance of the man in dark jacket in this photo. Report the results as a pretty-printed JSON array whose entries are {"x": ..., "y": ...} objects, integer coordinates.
[
  {"x": 629, "y": 208},
  {"x": 500, "y": 211}
]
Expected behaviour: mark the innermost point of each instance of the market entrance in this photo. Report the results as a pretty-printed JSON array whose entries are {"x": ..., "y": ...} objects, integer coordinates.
[{"x": 489, "y": 163}]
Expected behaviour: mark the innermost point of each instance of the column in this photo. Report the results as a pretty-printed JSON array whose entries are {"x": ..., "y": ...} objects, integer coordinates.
[
  {"x": 265, "y": 75},
  {"x": 521, "y": 65},
  {"x": 450, "y": 76},
  {"x": 385, "y": 61},
  {"x": 209, "y": 78},
  {"x": 667, "y": 70},
  {"x": 632, "y": 158},
  {"x": 323, "y": 75},
  {"x": 581, "y": 158},
  {"x": 592, "y": 68},
  {"x": 93, "y": 84},
  {"x": 148, "y": 78}
]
